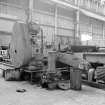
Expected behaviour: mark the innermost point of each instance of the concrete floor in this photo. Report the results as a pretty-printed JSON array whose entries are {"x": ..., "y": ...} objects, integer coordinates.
[{"x": 39, "y": 96}]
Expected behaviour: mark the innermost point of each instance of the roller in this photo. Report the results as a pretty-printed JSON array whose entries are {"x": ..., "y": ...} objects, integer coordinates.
[{"x": 20, "y": 46}]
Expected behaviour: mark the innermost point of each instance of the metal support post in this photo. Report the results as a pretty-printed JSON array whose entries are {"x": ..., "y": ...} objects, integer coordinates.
[
  {"x": 42, "y": 46},
  {"x": 103, "y": 29},
  {"x": 77, "y": 23},
  {"x": 52, "y": 61},
  {"x": 77, "y": 26},
  {"x": 29, "y": 11},
  {"x": 77, "y": 19},
  {"x": 91, "y": 29},
  {"x": 55, "y": 27}
]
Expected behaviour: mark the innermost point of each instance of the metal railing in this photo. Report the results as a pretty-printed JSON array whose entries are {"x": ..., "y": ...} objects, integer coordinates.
[
  {"x": 90, "y": 5},
  {"x": 12, "y": 9}
]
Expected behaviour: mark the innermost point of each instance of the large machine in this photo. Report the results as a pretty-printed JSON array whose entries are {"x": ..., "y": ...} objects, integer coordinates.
[
  {"x": 56, "y": 67},
  {"x": 24, "y": 63},
  {"x": 22, "y": 43},
  {"x": 23, "y": 47}
]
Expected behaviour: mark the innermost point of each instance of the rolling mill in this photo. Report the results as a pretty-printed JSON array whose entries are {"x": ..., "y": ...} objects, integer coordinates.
[
  {"x": 52, "y": 52},
  {"x": 59, "y": 68},
  {"x": 27, "y": 66}
]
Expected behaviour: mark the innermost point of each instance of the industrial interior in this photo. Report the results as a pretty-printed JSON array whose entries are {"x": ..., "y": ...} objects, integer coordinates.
[{"x": 52, "y": 52}]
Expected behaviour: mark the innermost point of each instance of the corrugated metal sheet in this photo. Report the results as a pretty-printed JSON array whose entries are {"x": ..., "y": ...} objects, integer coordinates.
[
  {"x": 43, "y": 18},
  {"x": 6, "y": 26},
  {"x": 65, "y": 23}
]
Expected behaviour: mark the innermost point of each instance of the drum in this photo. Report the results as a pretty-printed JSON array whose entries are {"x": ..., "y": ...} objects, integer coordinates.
[{"x": 20, "y": 46}]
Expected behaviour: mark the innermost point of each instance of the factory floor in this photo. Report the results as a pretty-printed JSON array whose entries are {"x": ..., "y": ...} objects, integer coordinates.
[{"x": 35, "y": 95}]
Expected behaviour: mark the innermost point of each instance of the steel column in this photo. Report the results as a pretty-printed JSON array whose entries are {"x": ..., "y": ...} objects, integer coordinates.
[
  {"x": 103, "y": 29},
  {"x": 29, "y": 11},
  {"x": 55, "y": 25},
  {"x": 77, "y": 23},
  {"x": 91, "y": 29}
]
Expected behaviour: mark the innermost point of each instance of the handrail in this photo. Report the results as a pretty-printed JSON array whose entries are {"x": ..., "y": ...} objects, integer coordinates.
[
  {"x": 12, "y": 5},
  {"x": 83, "y": 4}
]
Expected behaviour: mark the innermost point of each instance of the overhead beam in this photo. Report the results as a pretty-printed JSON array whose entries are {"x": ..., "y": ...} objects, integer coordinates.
[
  {"x": 64, "y": 4},
  {"x": 8, "y": 17}
]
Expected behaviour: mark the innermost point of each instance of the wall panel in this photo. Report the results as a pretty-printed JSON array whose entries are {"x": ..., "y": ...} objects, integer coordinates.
[
  {"x": 43, "y": 18},
  {"x": 44, "y": 15},
  {"x": 5, "y": 39},
  {"x": 65, "y": 23},
  {"x": 48, "y": 33},
  {"x": 96, "y": 30}
]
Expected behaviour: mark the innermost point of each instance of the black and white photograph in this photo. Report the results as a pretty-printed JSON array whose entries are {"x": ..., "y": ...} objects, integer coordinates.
[{"x": 52, "y": 52}]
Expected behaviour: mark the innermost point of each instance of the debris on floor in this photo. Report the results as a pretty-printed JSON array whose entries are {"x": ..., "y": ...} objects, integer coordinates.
[{"x": 21, "y": 90}]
